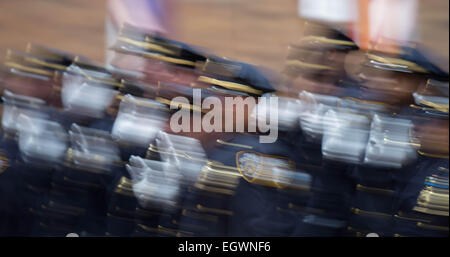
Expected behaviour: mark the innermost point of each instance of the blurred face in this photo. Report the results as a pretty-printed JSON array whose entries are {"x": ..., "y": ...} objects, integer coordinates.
[
  {"x": 433, "y": 136},
  {"x": 395, "y": 88},
  {"x": 312, "y": 86},
  {"x": 155, "y": 70},
  {"x": 34, "y": 87},
  {"x": 336, "y": 59},
  {"x": 320, "y": 81},
  {"x": 325, "y": 66}
]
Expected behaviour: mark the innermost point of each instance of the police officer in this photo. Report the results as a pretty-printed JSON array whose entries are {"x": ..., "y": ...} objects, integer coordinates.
[{"x": 381, "y": 179}]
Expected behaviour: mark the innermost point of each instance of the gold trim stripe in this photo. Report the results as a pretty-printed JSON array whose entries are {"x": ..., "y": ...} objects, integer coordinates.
[
  {"x": 395, "y": 61},
  {"x": 233, "y": 144},
  {"x": 168, "y": 102},
  {"x": 146, "y": 45},
  {"x": 28, "y": 69},
  {"x": 439, "y": 107},
  {"x": 328, "y": 40},
  {"x": 298, "y": 63},
  {"x": 46, "y": 64},
  {"x": 169, "y": 59},
  {"x": 230, "y": 85}
]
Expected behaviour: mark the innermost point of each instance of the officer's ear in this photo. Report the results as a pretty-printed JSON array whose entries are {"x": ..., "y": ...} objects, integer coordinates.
[
  {"x": 433, "y": 88},
  {"x": 353, "y": 63}
]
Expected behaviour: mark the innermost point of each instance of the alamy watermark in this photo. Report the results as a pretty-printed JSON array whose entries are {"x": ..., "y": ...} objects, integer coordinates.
[{"x": 227, "y": 114}]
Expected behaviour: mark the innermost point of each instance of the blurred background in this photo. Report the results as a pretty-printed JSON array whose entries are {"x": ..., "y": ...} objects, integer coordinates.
[
  {"x": 359, "y": 96},
  {"x": 254, "y": 31}
]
